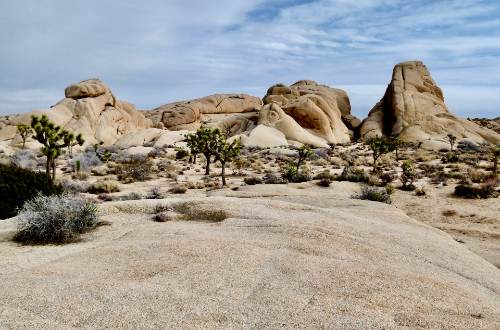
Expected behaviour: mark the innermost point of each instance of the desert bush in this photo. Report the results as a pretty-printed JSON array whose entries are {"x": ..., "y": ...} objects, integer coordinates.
[
  {"x": 17, "y": 185},
  {"x": 193, "y": 211},
  {"x": 374, "y": 194},
  {"x": 325, "y": 182},
  {"x": 486, "y": 190},
  {"x": 420, "y": 191},
  {"x": 353, "y": 174},
  {"x": 450, "y": 157},
  {"x": 253, "y": 180},
  {"x": 291, "y": 174},
  {"x": 386, "y": 178},
  {"x": 106, "y": 186},
  {"x": 24, "y": 158},
  {"x": 133, "y": 171},
  {"x": 162, "y": 217},
  {"x": 133, "y": 196},
  {"x": 178, "y": 189},
  {"x": 324, "y": 175},
  {"x": 476, "y": 176},
  {"x": 87, "y": 161},
  {"x": 271, "y": 178},
  {"x": 72, "y": 186},
  {"x": 155, "y": 193},
  {"x": 55, "y": 219},
  {"x": 181, "y": 153},
  {"x": 389, "y": 189}
]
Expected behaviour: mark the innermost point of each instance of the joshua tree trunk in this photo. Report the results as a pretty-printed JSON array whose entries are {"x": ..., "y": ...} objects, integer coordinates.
[
  {"x": 223, "y": 174},
  {"x": 53, "y": 170},
  {"x": 207, "y": 166},
  {"x": 24, "y": 142},
  {"x": 48, "y": 169}
]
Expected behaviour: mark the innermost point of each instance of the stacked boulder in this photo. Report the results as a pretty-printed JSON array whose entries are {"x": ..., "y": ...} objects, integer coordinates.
[
  {"x": 89, "y": 108},
  {"x": 413, "y": 108}
]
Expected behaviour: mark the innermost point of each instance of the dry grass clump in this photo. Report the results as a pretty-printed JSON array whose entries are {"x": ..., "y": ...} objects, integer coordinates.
[
  {"x": 483, "y": 191},
  {"x": 195, "y": 212},
  {"x": 178, "y": 189},
  {"x": 107, "y": 186},
  {"x": 134, "y": 170},
  {"x": 449, "y": 213},
  {"x": 253, "y": 180}
]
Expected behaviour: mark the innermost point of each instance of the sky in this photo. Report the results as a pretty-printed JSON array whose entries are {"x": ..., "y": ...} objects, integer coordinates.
[{"x": 154, "y": 52}]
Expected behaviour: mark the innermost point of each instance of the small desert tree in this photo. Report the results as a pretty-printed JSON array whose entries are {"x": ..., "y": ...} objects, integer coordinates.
[
  {"x": 408, "y": 176},
  {"x": 193, "y": 144},
  {"x": 204, "y": 141},
  {"x": 304, "y": 153},
  {"x": 226, "y": 152},
  {"x": 70, "y": 140},
  {"x": 53, "y": 139},
  {"x": 379, "y": 146},
  {"x": 396, "y": 144},
  {"x": 452, "y": 139},
  {"x": 24, "y": 131}
]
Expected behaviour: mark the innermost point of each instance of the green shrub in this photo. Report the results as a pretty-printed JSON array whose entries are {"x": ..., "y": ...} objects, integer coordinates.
[
  {"x": 374, "y": 194},
  {"x": 353, "y": 174},
  {"x": 181, "y": 153},
  {"x": 325, "y": 182},
  {"x": 18, "y": 185},
  {"x": 450, "y": 157},
  {"x": 55, "y": 219}
]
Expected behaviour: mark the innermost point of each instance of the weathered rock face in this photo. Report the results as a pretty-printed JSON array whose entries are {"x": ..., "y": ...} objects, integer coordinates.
[
  {"x": 273, "y": 115},
  {"x": 189, "y": 115},
  {"x": 319, "y": 109},
  {"x": 413, "y": 108},
  {"x": 90, "y": 108}
]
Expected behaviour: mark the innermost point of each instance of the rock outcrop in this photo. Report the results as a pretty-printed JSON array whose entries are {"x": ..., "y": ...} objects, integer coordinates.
[
  {"x": 323, "y": 110},
  {"x": 413, "y": 108},
  {"x": 190, "y": 115},
  {"x": 284, "y": 258},
  {"x": 89, "y": 108}
]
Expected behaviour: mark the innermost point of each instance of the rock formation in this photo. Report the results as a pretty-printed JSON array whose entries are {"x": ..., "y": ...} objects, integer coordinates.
[
  {"x": 323, "y": 110},
  {"x": 189, "y": 115},
  {"x": 89, "y": 108},
  {"x": 413, "y": 108}
]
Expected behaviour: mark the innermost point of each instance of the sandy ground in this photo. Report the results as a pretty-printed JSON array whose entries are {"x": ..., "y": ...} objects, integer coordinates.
[
  {"x": 296, "y": 256},
  {"x": 474, "y": 223}
]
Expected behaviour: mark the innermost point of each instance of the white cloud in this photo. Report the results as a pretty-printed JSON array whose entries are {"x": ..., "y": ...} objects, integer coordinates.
[{"x": 168, "y": 50}]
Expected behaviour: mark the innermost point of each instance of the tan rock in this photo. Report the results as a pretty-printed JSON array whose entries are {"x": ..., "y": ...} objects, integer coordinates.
[
  {"x": 139, "y": 138},
  {"x": 284, "y": 258},
  {"x": 333, "y": 99},
  {"x": 92, "y": 110},
  {"x": 274, "y": 116},
  {"x": 413, "y": 108},
  {"x": 189, "y": 114},
  {"x": 264, "y": 137}
]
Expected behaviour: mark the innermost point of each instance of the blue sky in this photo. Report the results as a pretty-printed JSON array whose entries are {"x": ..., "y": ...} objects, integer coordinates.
[{"x": 158, "y": 51}]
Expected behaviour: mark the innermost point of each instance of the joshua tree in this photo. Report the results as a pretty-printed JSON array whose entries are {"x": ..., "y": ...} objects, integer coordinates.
[
  {"x": 54, "y": 139},
  {"x": 226, "y": 152},
  {"x": 408, "y": 176},
  {"x": 304, "y": 153},
  {"x": 452, "y": 139},
  {"x": 192, "y": 142},
  {"x": 496, "y": 152},
  {"x": 24, "y": 131},
  {"x": 204, "y": 141},
  {"x": 379, "y": 146},
  {"x": 396, "y": 143},
  {"x": 70, "y": 141}
]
